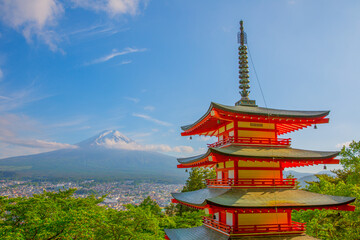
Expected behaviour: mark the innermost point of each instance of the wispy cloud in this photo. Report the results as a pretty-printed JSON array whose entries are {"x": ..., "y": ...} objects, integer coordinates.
[
  {"x": 111, "y": 7},
  {"x": 37, "y": 19},
  {"x": 152, "y": 147},
  {"x": 125, "y": 62},
  {"x": 114, "y": 54},
  {"x": 17, "y": 133},
  {"x": 36, "y": 143},
  {"x": 139, "y": 135},
  {"x": 98, "y": 29},
  {"x": 151, "y": 119},
  {"x": 340, "y": 145},
  {"x": 70, "y": 123},
  {"x": 149, "y": 108},
  {"x": 33, "y": 19},
  {"x": 16, "y": 99},
  {"x": 206, "y": 138},
  {"x": 135, "y": 100},
  {"x": 1, "y": 74}
]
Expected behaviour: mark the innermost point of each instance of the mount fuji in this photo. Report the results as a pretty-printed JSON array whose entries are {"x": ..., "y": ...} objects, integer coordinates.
[
  {"x": 107, "y": 139},
  {"x": 109, "y": 155}
]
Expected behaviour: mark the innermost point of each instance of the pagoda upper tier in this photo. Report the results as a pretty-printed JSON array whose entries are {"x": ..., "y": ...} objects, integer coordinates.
[{"x": 250, "y": 118}]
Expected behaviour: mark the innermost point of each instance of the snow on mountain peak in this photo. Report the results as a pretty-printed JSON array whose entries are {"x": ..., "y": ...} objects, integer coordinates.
[{"x": 108, "y": 139}]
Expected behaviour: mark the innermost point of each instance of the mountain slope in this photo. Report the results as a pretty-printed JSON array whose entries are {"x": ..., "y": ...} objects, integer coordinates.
[{"x": 101, "y": 157}]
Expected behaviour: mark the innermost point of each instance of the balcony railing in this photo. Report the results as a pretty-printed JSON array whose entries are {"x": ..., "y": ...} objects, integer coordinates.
[
  {"x": 277, "y": 142},
  {"x": 271, "y": 228},
  {"x": 265, "y": 182},
  {"x": 218, "y": 225},
  {"x": 253, "y": 229}
]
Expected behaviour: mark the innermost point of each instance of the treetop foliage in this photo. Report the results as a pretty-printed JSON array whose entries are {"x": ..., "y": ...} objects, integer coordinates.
[
  {"x": 62, "y": 216},
  {"x": 331, "y": 224}
]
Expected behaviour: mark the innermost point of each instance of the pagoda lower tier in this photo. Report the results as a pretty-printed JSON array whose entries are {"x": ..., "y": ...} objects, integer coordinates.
[{"x": 236, "y": 213}]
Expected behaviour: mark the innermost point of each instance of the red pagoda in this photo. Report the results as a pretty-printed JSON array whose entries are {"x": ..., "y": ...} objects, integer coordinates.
[{"x": 250, "y": 197}]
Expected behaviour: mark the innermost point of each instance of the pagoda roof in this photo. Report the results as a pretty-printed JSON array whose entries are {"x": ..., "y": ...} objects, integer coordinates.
[
  {"x": 259, "y": 198},
  {"x": 261, "y": 153},
  {"x": 195, "y": 233},
  {"x": 254, "y": 111}
]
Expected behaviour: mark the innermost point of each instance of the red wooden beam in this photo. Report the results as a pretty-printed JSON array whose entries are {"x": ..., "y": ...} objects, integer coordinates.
[{"x": 217, "y": 114}]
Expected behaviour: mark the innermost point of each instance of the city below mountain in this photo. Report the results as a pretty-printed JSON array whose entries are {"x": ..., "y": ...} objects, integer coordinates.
[{"x": 107, "y": 156}]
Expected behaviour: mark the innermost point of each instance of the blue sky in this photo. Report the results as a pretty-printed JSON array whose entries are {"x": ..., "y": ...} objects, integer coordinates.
[{"x": 73, "y": 68}]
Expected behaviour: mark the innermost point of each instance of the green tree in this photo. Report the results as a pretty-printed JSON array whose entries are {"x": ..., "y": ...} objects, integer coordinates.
[
  {"x": 50, "y": 216},
  {"x": 62, "y": 216},
  {"x": 197, "y": 177},
  {"x": 195, "y": 181},
  {"x": 297, "y": 183},
  {"x": 151, "y": 205},
  {"x": 330, "y": 224},
  {"x": 134, "y": 223}
]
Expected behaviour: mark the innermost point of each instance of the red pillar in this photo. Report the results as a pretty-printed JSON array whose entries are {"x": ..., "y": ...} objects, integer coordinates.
[
  {"x": 235, "y": 221},
  {"x": 236, "y": 130},
  {"x": 236, "y": 171},
  {"x": 289, "y": 216}
]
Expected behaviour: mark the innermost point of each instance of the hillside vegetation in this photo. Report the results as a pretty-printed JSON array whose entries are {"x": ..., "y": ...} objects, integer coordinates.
[{"x": 62, "y": 216}]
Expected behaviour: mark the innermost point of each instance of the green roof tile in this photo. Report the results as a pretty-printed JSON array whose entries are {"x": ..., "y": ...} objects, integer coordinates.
[
  {"x": 263, "y": 152},
  {"x": 196, "y": 233},
  {"x": 259, "y": 198}
]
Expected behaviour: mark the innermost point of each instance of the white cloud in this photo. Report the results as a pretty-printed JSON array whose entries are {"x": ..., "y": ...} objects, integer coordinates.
[
  {"x": 111, "y": 7},
  {"x": 152, "y": 147},
  {"x": 12, "y": 100},
  {"x": 206, "y": 138},
  {"x": 98, "y": 29},
  {"x": 16, "y": 133},
  {"x": 135, "y": 100},
  {"x": 146, "y": 117},
  {"x": 33, "y": 18},
  {"x": 125, "y": 62},
  {"x": 36, "y": 143},
  {"x": 74, "y": 122},
  {"x": 149, "y": 108},
  {"x": 292, "y": 2},
  {"x": 340, "y": 145},
  {"x": 115, "y": 53},
  {"x": 36, "y": 19},
  {"x": 1, "y": 74}
]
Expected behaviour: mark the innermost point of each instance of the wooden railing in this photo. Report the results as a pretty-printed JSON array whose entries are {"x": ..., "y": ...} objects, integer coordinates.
[
  {"x": 263, "y": 228},
  {"x": 265, "y": 182},
  {"x": 253, "y": 141},
  {"x": 268, "y": 228},
  {"x": 216, "y": 224}
]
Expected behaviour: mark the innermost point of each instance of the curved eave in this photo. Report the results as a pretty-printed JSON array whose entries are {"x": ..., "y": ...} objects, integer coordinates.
[
  {"x": 316, "y": 117},
  {"x": 260, "y": 198},
  {"x": 258, "y": 153}
]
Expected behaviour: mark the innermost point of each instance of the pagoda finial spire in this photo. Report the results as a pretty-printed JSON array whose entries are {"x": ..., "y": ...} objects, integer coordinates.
[{"x": 243, "y": 70}]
